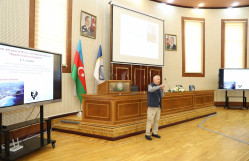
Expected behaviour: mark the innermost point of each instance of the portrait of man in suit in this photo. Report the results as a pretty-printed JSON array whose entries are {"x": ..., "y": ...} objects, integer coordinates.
[
  {"x": 88, "y": 25},
  {"x": 171, "y": 42}
]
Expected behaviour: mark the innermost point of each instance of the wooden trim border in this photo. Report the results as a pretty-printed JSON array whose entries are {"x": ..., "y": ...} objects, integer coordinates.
[
  {"x": 230, "y": 103},
  {"x": 67, "y": 68},
  {"x": 31, "y": 23},
  {"x": 183, "y": 49},
  {"x": 223, "y": 40}
]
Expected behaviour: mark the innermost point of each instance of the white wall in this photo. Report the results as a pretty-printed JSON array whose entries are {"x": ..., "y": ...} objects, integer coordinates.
[
  {"x": 14, "y": 17},
  {"x": 14, "y": 29},
  {"x": 173, "y": 59}
]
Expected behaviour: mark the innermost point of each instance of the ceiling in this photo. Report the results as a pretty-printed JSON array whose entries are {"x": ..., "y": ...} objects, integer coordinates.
[{"x": 206, "y": 3}]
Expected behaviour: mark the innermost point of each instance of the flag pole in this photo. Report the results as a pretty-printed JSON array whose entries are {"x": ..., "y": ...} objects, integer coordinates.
[
  {"x": 78, "y": 75},
  {"x": 80, "y": 113}
]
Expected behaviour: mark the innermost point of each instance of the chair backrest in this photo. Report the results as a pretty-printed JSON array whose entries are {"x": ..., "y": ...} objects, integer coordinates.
[{"x": 134, "y": 88}]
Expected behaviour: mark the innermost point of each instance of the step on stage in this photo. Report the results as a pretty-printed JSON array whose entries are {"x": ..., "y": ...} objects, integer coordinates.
[{"x": 116, "y": 116}]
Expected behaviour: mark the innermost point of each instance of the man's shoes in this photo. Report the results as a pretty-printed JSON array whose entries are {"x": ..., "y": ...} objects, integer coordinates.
[
  {"x": 156, "y": 135},
  {"x": 148, "y": 137}
]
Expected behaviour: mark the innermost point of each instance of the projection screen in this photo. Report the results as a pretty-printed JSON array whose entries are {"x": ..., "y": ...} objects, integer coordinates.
[{"x": 137, "y": 38}]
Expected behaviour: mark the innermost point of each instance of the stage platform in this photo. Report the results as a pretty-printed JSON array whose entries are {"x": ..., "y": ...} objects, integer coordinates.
[
  {"x": 115, "y": 132},
  {"x": 114, "y": 117}
]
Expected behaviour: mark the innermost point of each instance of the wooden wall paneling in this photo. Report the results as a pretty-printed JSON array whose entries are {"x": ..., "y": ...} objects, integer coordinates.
[
  {"x": 152, "y": 71},
  {"x": 98, "y": 110},
  {"x": 121, "y": 72},
  {"x": 199, "y": 100},
  {"x": 209, "y": 100},
  {"x": 176, "y": 104},
  {"x": 139, "y": 78},
  {"x": 203, "y": 100},
  {"x": 126, "y": 110},
  {"x": 139, "y": 75},
  {"x": 143, "y": 107}
]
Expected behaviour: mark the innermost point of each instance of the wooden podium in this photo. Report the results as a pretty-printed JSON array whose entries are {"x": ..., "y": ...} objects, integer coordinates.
[{"x": 114, "y": 87}]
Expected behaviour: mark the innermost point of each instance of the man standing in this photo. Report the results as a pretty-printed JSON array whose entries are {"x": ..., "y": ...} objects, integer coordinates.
[{"x": 154, "y": 98}]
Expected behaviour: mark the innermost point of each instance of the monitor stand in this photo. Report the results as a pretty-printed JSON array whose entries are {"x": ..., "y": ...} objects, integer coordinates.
[{"x": 16, "y": 146}]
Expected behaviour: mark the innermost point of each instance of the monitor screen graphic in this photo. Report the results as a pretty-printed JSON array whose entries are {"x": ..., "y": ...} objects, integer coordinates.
[
  {"x": 234, "y": 78},
  {"x": 28, "y": 76}
]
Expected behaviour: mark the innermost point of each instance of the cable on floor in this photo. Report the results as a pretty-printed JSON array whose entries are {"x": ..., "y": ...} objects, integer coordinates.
[{"x": 200, "y": 125}]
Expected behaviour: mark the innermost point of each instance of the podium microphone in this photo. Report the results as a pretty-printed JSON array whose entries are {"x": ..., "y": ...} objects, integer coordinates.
[{"x": 167, "y": 84}]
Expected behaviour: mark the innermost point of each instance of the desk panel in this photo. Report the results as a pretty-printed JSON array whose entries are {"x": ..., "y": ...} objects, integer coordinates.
[{"x": 125, "y": 108}]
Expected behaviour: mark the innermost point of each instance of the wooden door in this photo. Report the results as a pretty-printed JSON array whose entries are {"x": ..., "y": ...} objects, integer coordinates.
[
  {"x": 121, "y": 72},
  {"x": 139, "y": 77},
  {"x": 152, "y": 71}
]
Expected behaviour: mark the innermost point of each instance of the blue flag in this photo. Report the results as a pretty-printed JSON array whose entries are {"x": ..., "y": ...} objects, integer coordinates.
[{"x": 99, "y": 68}]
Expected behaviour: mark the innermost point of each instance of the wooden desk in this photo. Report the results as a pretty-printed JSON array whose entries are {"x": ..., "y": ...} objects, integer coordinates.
[{"x": 115, "y": 116}]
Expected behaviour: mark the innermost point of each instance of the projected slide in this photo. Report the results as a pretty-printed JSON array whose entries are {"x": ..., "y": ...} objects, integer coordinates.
[
  {"x": 139, "y": 38},
  {"x": 236, "y": 79},
  {"x": 26, "y": 76}
]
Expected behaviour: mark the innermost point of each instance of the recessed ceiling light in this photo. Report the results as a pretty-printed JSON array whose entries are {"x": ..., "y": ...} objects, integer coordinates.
[
  {"x": 170, "y": 1},
  {"x": 201, "y": 4},
  {"x": 235, "y": 4}
]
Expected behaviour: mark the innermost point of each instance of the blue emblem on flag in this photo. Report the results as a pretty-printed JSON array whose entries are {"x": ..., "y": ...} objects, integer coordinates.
[{"x": 101, "y": 72}]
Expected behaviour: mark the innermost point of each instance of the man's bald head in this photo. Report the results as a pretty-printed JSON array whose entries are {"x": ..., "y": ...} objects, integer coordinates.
[{"x": 156, "y": 80}]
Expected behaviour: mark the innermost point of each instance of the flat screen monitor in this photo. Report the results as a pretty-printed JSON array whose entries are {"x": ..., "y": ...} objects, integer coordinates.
[
  {"x": 28, "y": 77},
  {"x": 234, "y": 78}
]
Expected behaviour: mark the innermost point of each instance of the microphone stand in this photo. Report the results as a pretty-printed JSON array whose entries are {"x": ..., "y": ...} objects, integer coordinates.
[{"x": 168, "y": 85}]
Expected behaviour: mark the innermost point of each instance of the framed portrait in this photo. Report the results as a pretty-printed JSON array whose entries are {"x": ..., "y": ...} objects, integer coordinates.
[
  {"x": 170, "y": 42},
  {"x": 88, "y": 24}
]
